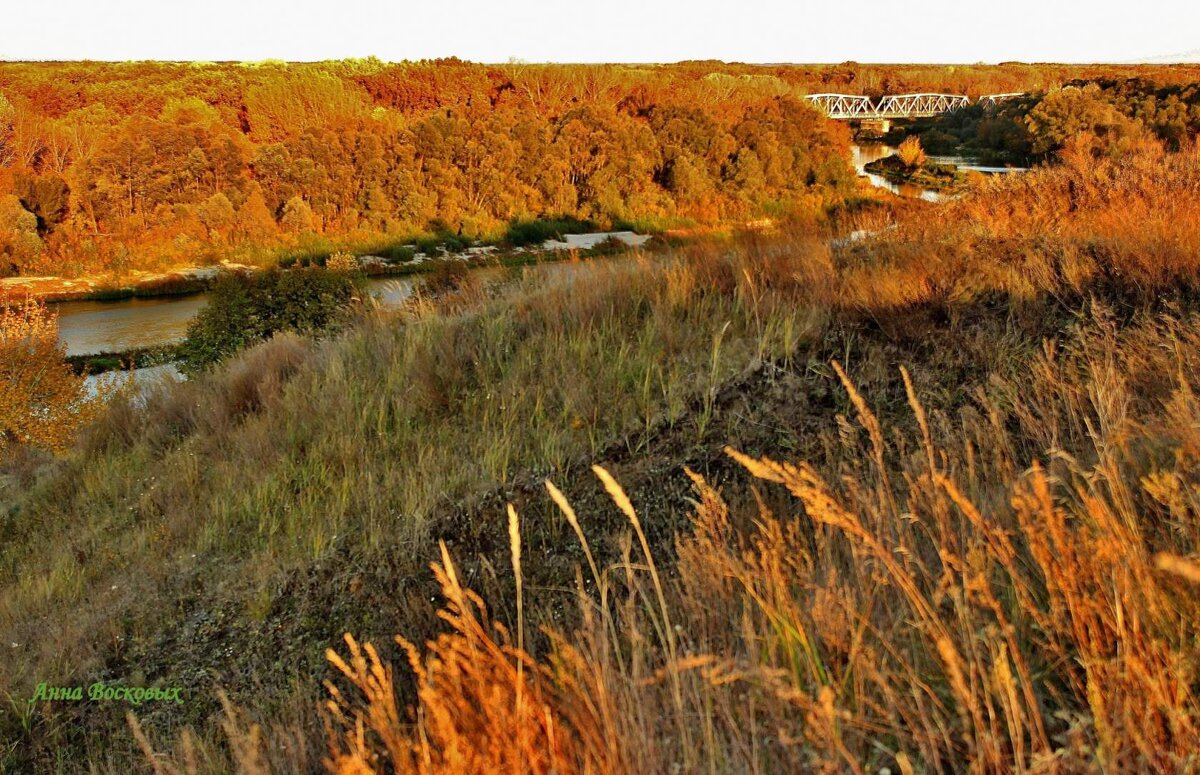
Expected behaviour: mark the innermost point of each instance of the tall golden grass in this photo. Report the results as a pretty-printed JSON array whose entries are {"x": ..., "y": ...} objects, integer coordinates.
[
  {"x": 935, "y": 602},
  {"x": 932, "y": 603},
  {"x": 982, "y": 562}
]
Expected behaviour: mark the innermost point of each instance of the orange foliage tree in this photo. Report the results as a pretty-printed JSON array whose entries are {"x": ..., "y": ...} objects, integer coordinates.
[{"x": 42, "y": 401}]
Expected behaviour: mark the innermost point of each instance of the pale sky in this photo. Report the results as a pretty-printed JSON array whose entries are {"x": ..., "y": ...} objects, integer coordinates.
[{"x": 603, "y": 30}]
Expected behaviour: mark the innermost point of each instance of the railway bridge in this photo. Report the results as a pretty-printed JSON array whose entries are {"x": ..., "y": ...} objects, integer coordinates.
[{"x": 861, "y": 108}]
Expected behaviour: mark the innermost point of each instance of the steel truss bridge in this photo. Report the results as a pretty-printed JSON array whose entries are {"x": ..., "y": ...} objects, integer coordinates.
[{"x": 860, "y": 107}]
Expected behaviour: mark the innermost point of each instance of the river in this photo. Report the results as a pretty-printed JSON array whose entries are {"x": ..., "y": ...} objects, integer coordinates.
[
  {"x": 89, "y": 327},
  {"x": 865, "y": 153}
]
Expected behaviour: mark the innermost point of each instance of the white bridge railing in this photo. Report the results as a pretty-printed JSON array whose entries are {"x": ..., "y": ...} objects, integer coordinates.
[
  {"x": 857, "y": 106},
  {"x": 992, "y": 100}
]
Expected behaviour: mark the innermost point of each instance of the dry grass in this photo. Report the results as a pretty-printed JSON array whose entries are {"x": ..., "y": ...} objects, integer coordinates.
[
  {"x": 931, "y": 604},
  {"x": 1087, "y": 227},
  {"x": 986, "y": 564},
  {"x": 297, "y": 452}
]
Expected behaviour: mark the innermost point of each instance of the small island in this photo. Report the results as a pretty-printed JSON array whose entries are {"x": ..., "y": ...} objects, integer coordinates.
[{"x": 909, "y": 165}]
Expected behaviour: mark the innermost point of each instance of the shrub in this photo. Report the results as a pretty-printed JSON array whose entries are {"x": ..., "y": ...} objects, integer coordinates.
[
  {"x": 447, "y": 276},
  {"x": 911, "y": 153},
  {"x": 938, "y": 141},
  {"x": 535, "y": 232},
  {"x": 42, "y": 401},
  {"x": 455, "y": 243},
  {"x": 244, "y": 309},
  {"x": 398, "y": 254},
  {"x": 428, "y": 245},
  {"x": 450, "y": 242},
  {"x": 341, "y": 262}
]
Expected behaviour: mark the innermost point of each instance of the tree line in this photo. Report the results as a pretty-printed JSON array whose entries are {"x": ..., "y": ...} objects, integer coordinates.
[
  {"x": 1105, "y": 116},
  {"x": 110, "y": 167}
]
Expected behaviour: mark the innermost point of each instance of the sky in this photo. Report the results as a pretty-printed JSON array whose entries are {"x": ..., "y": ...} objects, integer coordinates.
[{"x": 602, "y": 30}]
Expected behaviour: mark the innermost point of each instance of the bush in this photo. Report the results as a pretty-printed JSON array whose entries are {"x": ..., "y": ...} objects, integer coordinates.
[
  {"x": 244, "y": 309},
  {"x": 937, "y": 141},
  {"x": 911, "y": 153},
  {"x": 447, "y": 276},
  {"x": 432, "y": 245},
  {"x": 428, "y": 245},
  {"x": 43, "y": 402},
  {"x": 535, "y": 232},
  {"x": 455, "y": 243},
  {"x": 341, "y": 262},
  {"x": 398, "y": 254}
]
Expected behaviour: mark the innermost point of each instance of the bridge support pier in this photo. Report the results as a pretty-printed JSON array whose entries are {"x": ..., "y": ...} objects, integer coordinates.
[{"x": 874, "y": 127}]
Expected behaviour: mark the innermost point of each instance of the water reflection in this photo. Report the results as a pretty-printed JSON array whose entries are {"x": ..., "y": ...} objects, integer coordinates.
[
  {"x": 390, "y": 291},
  {"x": 862, "y": 155},
  {"x": 968, "y": 164},
  {"x": 89, "y": 327}
]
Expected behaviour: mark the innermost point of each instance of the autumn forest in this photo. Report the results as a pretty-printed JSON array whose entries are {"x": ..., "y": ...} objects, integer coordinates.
[{"x": 110, "y": 167}]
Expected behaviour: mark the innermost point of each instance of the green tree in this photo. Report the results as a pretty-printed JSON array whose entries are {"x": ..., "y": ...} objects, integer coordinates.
[
  {"x": 254, "y": 220},
  {"x": 247, "y": 308},
  {"x": 1073, "y": 112},
  {"x": 7, "y": 114},
  {"x": 379, "y": 208},
  {"x": 688, "y": 183},
  {"x": 46, "y": 196},
  {"x": 746, "y": 172}
]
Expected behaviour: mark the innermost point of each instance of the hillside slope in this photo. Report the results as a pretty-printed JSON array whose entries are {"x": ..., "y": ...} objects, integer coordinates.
[{"x": 992, "y": 418}]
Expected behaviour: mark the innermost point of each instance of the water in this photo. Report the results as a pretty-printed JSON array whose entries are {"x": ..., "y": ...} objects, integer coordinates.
[
  {"x": 89, "y": 327},
  {"x": 969, "y": 164},
  {"x": 864, "y": 154},
  {"x": 390, "y": 291},
  {"x": 146, "y": 378}
]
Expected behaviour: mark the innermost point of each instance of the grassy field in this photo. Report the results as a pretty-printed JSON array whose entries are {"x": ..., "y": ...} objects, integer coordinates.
[{"x": 924, "y": 500}]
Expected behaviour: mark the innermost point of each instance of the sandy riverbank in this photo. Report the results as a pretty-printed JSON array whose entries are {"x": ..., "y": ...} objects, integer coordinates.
[{"x": 185, "y": 280}]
